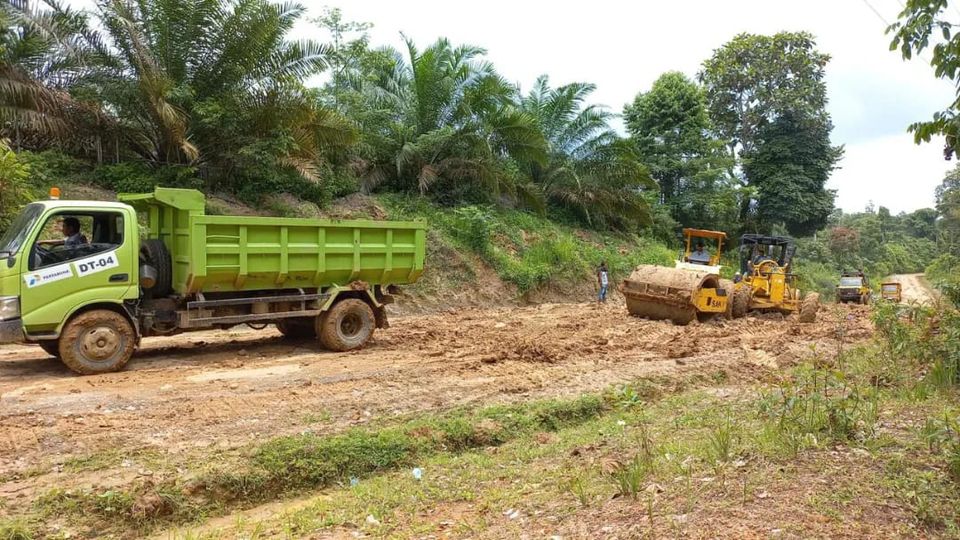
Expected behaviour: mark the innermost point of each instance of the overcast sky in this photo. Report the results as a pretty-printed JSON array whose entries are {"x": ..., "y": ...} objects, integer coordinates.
[{"x": 623, "y": 47}]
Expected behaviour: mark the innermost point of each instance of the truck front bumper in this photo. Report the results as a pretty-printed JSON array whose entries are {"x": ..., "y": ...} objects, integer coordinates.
[
  {"x": 11, "y": 331},
  {"x": 846, "y": 296}
]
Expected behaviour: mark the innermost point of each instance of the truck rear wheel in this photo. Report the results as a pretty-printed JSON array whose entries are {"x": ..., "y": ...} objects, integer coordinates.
[
  {"x": 157, "y": 255},
  {"x": 51, "y": 347},
  {"x": 298, "y": 328},
  {"x": 346, "y": 326},
  {"x": 98, "y": 341}
]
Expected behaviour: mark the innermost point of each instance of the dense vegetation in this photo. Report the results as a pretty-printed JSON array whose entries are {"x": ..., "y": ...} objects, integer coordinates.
[{"x": 216, "y": 95}]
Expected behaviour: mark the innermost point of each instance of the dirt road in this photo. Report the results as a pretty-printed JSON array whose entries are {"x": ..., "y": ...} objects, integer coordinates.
[
  {"x": 195, "y": 394},
  {"x": 915, "y": 288}
]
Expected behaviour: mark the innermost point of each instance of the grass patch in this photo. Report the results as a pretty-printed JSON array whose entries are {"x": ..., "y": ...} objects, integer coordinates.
[
  {"x": 292, "y": 464},
  {"x": 530, "y": 251},
  {"x": 16, "y": 529}
]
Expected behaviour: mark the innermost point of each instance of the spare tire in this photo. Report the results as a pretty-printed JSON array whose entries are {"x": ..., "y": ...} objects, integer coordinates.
[{"x": 155, "y": 253}]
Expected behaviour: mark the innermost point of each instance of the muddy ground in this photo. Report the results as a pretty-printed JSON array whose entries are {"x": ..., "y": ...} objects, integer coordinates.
[{"x": 187, "y": 396}]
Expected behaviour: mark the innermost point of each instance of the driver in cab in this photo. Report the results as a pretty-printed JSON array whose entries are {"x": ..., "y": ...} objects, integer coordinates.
[
  {"x": 72, "y": 236},
  {"x": 699, "y": 255}
]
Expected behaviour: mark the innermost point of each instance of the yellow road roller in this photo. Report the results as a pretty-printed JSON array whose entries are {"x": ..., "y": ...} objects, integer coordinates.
[{"x": 692, "y": 289}]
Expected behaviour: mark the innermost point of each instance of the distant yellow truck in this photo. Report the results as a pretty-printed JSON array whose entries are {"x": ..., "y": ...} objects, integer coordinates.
[
  {"x": 891, "y": 290},
  {"x": 853, "y": 287}
]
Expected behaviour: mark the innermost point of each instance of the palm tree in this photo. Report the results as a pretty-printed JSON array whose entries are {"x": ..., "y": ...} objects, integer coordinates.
[
  {"x": 591, "y": 171},
  {"x": 205, "y": 83},
  {"x": 442, "y": 121},
  {"x": 37, "y": 68}
]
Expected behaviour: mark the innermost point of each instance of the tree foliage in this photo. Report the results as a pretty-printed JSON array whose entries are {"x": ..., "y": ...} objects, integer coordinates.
[
  {"x": 948, "y": 208},
  {"x": 212, "y": 84},
  {"x": 923, "y": 24},
  {"x": 789, "y": 166},
  {"x": 753, "y": 79},
  {"x": 672, "y": 131},
  {"x": 441, "y": 121},
  {"x": 14, "y": 186},
  {"x": 766, "y": 94},
  {"x": 589, "y": 169}
]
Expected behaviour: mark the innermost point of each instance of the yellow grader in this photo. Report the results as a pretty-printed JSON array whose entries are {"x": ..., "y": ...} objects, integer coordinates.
[
  {"x": 767, "y": 284},
  {"x": 693, "y": 289}
]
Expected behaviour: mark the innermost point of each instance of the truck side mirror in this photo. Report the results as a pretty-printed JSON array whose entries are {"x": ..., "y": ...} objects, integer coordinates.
[{"x": 11, "y": 260}]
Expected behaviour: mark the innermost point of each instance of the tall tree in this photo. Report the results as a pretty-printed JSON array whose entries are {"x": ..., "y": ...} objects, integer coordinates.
[
  {"x": 42, "y": 55},
  {"x": 207, "y": 83},
  {"x": 673, "y": 133},
  {"x": 790, "y": 165},
  {"x": 753, "y": 79},
  {"x": 764, "y": 90},
  {"x": 589, "y": 169}
]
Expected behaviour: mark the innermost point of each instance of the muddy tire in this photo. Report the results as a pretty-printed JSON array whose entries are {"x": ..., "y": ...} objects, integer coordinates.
[
  {"x": 297, "y": 328},
  {"x": 809, "y": 307},
  {"x": 156, "y": 254},
  {"x": 741, "y": 301},
  {"x": 346, "y": 326},
  {"x": 98, "y": 341},
  {"x": 51, "y": 347},
  {"x": 728, "y": 286}
]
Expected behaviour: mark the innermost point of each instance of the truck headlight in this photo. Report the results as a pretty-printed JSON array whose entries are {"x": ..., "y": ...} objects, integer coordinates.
[{"x": 9, "y": 307}]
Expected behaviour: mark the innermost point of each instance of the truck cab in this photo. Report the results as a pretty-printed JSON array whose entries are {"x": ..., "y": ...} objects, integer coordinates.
[
  {"x": 853, "y": 287},
  {"x": 46, "y": 275}
]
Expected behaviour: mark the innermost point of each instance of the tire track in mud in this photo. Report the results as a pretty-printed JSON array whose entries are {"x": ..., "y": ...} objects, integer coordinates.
[{"x": 186, "y": 395}]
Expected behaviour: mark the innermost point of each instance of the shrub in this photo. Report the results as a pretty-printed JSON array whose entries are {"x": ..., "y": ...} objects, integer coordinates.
[
  {"x": 15, "y": 190},
  {"x": 818, "y": 403}
]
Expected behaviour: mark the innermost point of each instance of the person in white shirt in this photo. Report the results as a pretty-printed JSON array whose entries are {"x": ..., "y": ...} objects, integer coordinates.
[
  {"x": 603, "y": 278},
  {"x": 699, "y": 255}
]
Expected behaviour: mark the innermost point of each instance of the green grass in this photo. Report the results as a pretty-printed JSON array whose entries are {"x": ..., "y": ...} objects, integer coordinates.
[
  {"x": 287, "y": 465},
  {"x": 531, "y": 251},
  {"x": 16, "y": 529}
]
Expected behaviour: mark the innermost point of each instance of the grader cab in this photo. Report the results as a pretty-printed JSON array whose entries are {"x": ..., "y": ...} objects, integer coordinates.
[{"x": 768, "y": 283}]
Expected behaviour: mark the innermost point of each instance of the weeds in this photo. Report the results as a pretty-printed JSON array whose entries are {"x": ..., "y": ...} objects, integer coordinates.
[
  {"x": 820, "y": 403},
  {"x": 628, "y": 478},
  {"x": 942, "y": 436},
  {"x": 579, "y": 490},
  {"x": 16, "y": 529}
]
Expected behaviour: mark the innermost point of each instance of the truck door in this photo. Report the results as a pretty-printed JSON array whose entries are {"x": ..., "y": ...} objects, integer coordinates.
[{"x": 79, "y": 256}]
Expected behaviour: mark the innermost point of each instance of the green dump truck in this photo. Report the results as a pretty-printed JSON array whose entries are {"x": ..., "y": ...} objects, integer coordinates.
[{"x": 86, "y": 280}]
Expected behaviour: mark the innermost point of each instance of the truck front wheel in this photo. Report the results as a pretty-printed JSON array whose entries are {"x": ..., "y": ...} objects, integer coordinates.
[
  {"x": 98, "y": 341},
  {"x": 346, "y": 326}
]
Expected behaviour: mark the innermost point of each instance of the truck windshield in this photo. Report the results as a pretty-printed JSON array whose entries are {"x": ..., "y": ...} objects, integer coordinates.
[
  {"x": 850, "y": 282},
  {"x": 17, "y": 232}
]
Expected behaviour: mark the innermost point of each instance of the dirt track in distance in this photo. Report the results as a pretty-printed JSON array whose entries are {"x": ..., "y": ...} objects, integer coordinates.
[
  {"x": 192, "y": 394},
  {"x": 914, "y": 288}
]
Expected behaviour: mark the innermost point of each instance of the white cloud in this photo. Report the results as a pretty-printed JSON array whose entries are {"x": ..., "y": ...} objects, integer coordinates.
[{"x": 890, "y": 171}]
